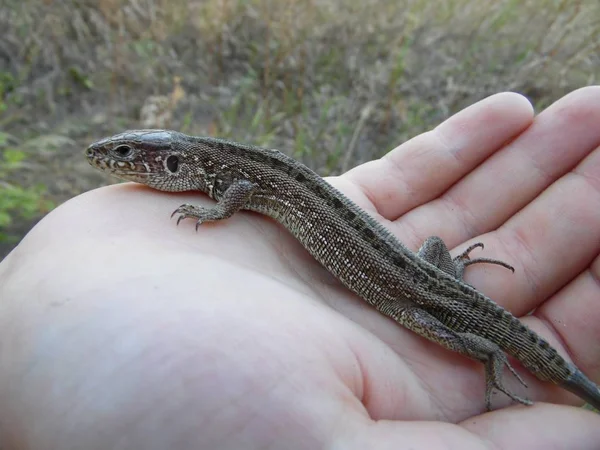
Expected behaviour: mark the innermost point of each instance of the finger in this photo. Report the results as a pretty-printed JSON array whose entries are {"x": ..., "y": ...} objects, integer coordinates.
[
  {"x": 539, "y": 427},
  {"x": 553, "y": 239},
  {"x": 424, "y": 167},
  {"x": 556, "y": 239},
  {"x": 549, "y": 242},
  {"x": 571, "y": 249},
  {"x": 533, "y": 428},
  {"x": 573, "y": 316},
  {"x": 558, "y": 139}
]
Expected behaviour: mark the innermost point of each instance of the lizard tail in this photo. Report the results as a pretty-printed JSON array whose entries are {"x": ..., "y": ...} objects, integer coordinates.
[{"x": 581, "y": 386}]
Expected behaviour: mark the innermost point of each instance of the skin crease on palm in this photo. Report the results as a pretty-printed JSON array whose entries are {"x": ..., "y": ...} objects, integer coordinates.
[{"x": 119, "y": 330}]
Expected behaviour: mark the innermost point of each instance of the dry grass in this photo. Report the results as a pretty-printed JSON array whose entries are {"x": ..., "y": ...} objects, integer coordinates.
[
  {"x": 333, "y": 82},
  {"x": 300, "y": 74}
]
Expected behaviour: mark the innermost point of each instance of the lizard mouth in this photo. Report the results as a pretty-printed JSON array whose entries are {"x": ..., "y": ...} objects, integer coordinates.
[
  {"x": 126, "y": 170},
  {"x": 114, "y": 166}
]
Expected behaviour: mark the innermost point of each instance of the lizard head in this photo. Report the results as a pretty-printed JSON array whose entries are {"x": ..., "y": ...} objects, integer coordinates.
[{"x": 149, "y": 157}]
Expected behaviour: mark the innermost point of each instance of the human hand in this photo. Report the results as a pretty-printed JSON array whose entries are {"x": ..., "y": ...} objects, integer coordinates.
[{"x": 119, "y": 330}]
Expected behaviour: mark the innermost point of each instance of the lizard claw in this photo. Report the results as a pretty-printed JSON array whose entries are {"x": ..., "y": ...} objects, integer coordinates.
[
  {"x": 465, "y": 255},
  {"x": 183, "y": 209},
  {"x": 464, "y": 260},
  {"x": 187, "y": 211},
  {"x": 514, "y": 372}
]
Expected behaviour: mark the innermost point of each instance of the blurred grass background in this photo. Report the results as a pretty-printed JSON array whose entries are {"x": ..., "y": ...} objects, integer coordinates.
[{"x": 331, "y": 82}]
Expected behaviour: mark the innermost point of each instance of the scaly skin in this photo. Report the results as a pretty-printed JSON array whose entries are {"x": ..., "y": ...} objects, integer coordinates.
[{"x": 422, "y": 291}]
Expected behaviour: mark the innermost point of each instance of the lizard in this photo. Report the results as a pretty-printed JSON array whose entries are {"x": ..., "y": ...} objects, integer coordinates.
[{"x": 423, "y": 291}]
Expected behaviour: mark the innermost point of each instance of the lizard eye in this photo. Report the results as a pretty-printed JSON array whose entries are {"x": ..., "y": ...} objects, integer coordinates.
[
  {"x": 172, "y": 163},
  {"x": 122, "y": 150}
]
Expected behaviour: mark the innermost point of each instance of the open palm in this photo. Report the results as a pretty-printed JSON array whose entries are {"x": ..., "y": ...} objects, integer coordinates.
[{"x": 120, "y": 330}]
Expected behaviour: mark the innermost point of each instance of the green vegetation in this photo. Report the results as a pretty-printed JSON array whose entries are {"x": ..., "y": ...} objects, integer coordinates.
[
  {"x": 17, "y": 201},
  {"x": 333, "y": 82}
]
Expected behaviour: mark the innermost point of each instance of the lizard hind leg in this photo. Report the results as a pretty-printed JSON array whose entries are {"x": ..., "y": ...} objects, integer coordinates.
[
  {"x": 467, "y": 344},
  {"x": 494, "y": 360}
]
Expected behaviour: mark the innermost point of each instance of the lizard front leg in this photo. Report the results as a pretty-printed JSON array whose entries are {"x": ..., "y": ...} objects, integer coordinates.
[
  {"x": 236, "y": 197},
  {"x": 467, "y": 344}
]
